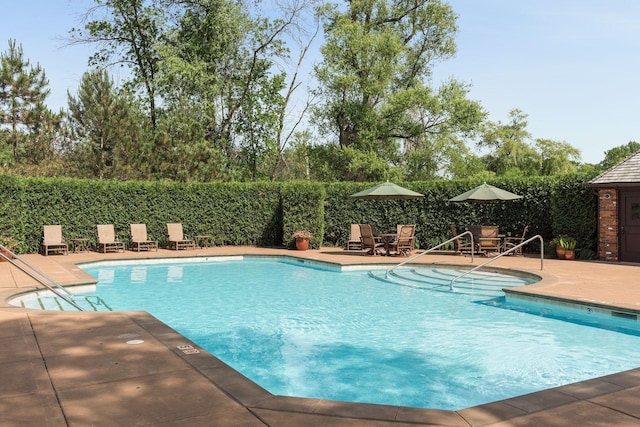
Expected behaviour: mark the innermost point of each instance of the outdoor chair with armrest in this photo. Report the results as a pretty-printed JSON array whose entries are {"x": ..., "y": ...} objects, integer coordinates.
[
  {"x": 404, "y": 242},
  {"x": 354, "y": 241},
  {"x": 107, "y": 239},
  {"x": 512, "y": 242},
  {"x": 140, "y": 240},
  {"x": 370, "y": 245},
  {"x": 463, "y": 244},
  {"x": 488, "y": 241},
  {"x": 177, "y": 240},
  {"x": 53, "y": 241}
]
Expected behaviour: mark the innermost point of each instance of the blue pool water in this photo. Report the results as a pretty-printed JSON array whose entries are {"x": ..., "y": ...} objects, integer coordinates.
[{"x": 311, "y": 331}]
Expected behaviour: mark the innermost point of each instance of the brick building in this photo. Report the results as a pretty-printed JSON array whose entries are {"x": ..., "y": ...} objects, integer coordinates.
[{"x": 618, "y": 191}]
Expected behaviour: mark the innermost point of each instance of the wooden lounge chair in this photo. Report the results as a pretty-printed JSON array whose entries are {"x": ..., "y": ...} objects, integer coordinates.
[
  {"x": 354, "y": 241},
  {"x": 512, "y": 242},
  {"x": 463, "y": 245},
  {"x": 370, "y": 244},
  {"x": 53, "y": 241},
  {"x": 405, "y": 240},
  {"x": 140, "y": 240},
  {"x": 488, "y": 241},
  {"x": 177, "y": 240},
  {"x": 107, "y": 240}
]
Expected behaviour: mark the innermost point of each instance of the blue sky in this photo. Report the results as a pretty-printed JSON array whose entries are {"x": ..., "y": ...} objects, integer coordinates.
[{"x": 570, "y": 65}]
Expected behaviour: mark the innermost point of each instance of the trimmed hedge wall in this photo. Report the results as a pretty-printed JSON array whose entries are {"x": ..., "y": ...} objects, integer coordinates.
[
  {"x": 232, "y": 214},
  {"x": 543, "y": 206},
  {"x": 266, "y": 214}
]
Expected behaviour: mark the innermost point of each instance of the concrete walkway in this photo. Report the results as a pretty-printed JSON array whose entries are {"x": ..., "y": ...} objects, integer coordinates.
[{"x": 129, "y": 369}]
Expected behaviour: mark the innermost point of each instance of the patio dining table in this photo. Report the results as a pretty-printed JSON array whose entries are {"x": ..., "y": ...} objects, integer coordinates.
[{"x": 387, "y": 239}]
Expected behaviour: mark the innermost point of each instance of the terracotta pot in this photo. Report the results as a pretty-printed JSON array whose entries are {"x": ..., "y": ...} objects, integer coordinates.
[
  {"x": 7, "y": 254},
  {"x": 302, "y": 244},
  {"x": 569, "y": 254},
  {"x": 560, "y": 252}
]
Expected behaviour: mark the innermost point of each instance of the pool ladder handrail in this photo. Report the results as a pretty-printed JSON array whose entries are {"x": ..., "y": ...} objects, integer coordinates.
[
  {"x": 537, "y": 236},
  {"x": 389, "y": 270},
  {"x": 38, "y": 276}
]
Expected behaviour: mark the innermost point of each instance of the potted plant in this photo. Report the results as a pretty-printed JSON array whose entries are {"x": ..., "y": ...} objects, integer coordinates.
[
  {"x": 555, "y": 245},
  {"x": 568, "y": 244},
  {"x": 10, "y": 243},
  {"x": 302, "y": 239}
]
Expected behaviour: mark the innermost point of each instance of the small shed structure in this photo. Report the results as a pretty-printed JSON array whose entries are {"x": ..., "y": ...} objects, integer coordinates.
[{"x": 618, "y": 190}]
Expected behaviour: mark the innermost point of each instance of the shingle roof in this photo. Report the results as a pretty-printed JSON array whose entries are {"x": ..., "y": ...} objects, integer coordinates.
[{"x": 625, "y": 172}]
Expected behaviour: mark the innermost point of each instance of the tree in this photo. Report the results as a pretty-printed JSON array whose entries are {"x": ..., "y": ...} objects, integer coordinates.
[
  {"x": 223, "y": 64},
  {"x": 107, "y": 134},
  {"x": 285, "y": 134},
  {"x": 127, "y": 33},
  {"x": 510, "y": 152},
  {"x": 377, "y": 57},
  {"x": 617, "y": 154},
  {"x": 557, "y": 158},
  {"x": 446, "y": 120},
  {"x": 181, "y": 151},
  {"x": 23, "y": 89}
]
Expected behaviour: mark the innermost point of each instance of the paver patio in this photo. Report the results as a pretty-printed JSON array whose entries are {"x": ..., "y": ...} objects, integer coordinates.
[{"x": 77, "y": 369}]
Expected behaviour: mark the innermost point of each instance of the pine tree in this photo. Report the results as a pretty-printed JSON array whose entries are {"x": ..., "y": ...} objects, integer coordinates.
[{"x": 23, "y": 89}]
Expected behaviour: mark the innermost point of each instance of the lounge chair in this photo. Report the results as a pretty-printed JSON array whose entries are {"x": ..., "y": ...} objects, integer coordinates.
[
  {"x": 370, "y": 244},
  {"x": 464, "y": 245},
  {"x": 354, "y": 241},
  {"x": 140, "y": 240},
  {"x": 53, "y": 241},
  {"x": 405, "y": 240},
  {"x": 177, "y": 240},
  {"x": 107, "y": 240},
  {"x": 512, "y": 242},
  {"x": 488, "y": 241}
]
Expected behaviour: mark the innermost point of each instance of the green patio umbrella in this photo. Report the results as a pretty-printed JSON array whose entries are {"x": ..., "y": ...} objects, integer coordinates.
[
  {"x": 485, "y": 193},
  {"x": 387, "y": 191}
]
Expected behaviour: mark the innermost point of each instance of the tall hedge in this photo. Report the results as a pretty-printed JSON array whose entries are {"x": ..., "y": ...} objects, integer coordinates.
[
  {"x": 235, "y": 213},
  {"x": 303, "y": 209},
  {"x": 266, "y": 214},
  {"x": 434, "y": 214}
]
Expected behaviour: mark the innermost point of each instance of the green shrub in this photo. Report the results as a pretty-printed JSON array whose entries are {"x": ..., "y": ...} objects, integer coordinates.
[{"x": 266, "y": 214}]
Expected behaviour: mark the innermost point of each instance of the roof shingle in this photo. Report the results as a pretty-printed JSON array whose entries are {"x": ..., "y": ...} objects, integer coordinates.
[{"x": 625, "y": 172}]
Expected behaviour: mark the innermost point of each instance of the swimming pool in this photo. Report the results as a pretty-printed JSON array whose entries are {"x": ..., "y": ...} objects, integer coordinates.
[{"x": 384, "y": 343}]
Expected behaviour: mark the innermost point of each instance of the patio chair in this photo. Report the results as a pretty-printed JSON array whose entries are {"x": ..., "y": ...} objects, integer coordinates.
[
  {"x": 53, "y": 241},
  {"x": 139, "y": 239},
  {"x": 354, "y": 241},
  {"x": 370, "y": 245},
  {"x": 463, "y": 245},
  {"x": 107, "y": 239},
  {"x": 488, "y": 241},
  {"x": 512, "y": 242},
  {"x": 376, "y": 235},
  {"x": 405, "y": 240},
  {"x": 177, "y": 240}
]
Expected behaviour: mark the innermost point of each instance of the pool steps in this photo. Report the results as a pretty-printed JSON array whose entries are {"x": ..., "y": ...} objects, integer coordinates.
[
  {"x": 46, "y": 300},
  {"x": 439, "y": 279}
]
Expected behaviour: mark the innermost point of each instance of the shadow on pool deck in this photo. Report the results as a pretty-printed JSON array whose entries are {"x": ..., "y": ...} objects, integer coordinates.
[{"x": 129, "y": 369}]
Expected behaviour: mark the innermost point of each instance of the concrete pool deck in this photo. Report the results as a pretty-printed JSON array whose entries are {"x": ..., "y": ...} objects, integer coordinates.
[{"x": 129, "y": 369}]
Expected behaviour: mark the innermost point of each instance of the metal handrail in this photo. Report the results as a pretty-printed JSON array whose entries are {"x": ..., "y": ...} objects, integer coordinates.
[
  {"x": 56, "y": 288},
  {"x": 537, "y": 236},
  {"x": 389, "y": 270}
]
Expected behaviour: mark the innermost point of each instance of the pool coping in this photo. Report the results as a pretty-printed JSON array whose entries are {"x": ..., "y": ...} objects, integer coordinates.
[{"x": 599, "y": 395}]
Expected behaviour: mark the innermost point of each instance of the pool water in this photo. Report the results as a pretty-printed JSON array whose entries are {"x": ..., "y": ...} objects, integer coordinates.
[{"x": 304, "y": 330}]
